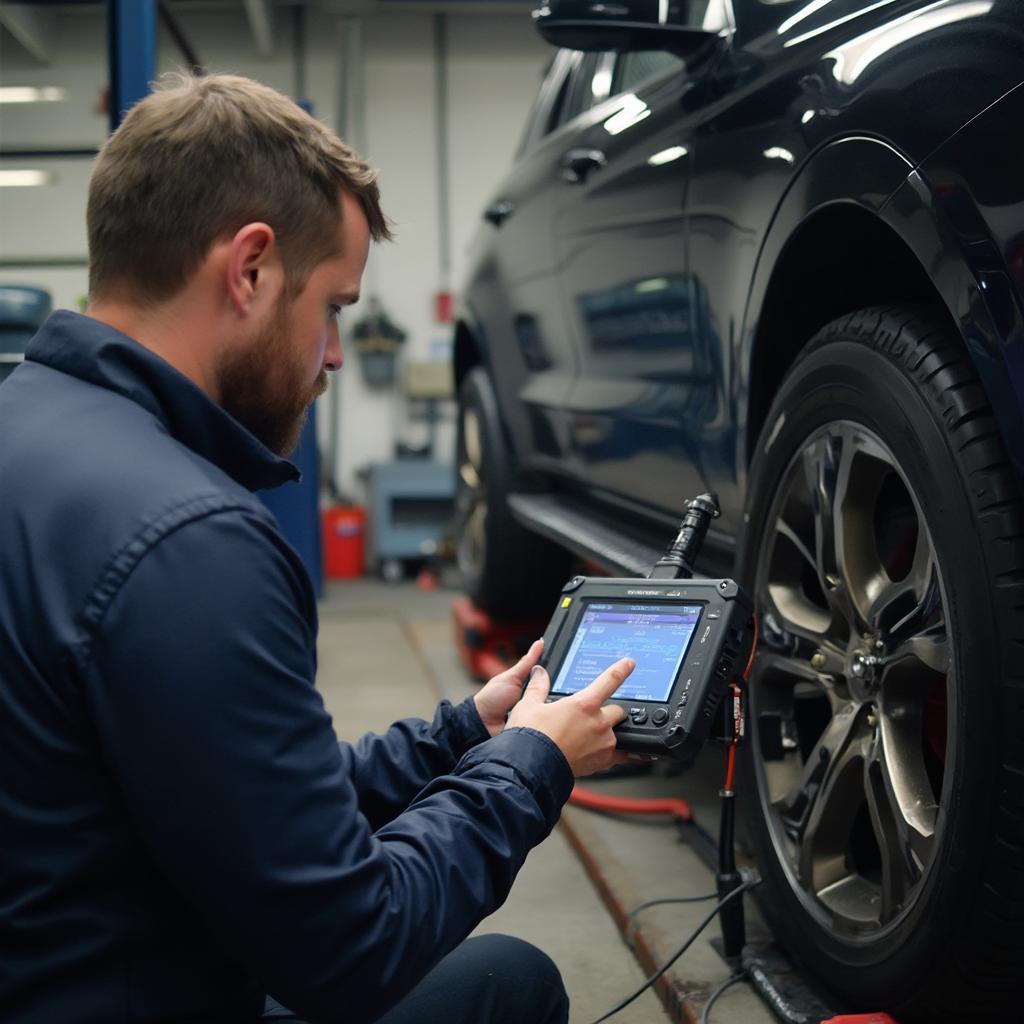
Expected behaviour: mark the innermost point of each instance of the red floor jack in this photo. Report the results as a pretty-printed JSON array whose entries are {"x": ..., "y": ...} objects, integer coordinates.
[{"x": 488, "y": 647}]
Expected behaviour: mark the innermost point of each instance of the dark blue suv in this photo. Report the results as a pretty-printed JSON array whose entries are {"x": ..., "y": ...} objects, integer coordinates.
[{"x": 775, "y": 249}]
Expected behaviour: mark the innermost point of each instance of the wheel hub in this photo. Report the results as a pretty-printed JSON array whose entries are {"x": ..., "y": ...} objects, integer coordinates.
[{"x": 863, "y": 672}]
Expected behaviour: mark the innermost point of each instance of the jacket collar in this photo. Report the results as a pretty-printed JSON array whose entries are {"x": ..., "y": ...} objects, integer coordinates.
[{"x": 95, "y": 352}]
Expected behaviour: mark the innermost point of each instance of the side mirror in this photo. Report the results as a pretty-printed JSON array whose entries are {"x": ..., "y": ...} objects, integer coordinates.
[{"x": 684, "y": 27}]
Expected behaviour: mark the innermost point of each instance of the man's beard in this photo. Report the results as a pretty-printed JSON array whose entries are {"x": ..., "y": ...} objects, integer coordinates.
[{"x": 263, "y": 387}]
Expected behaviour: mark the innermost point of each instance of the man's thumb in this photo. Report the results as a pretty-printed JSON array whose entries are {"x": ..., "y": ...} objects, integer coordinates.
[{"x": 538, "y": 686}]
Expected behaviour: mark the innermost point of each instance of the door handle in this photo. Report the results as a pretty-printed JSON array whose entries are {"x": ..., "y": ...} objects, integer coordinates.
[
  {"x": 577, "y": 164},
  {"x": 499, "y": 212}
]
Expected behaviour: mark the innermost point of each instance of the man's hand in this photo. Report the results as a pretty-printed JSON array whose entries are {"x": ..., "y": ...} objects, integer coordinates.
[
  {"x": 500, "y": 694},
  {"x": 581, "y": 725}
]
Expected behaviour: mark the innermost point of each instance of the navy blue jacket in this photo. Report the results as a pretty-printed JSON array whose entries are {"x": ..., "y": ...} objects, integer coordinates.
[{"x": 180, "y": 831}]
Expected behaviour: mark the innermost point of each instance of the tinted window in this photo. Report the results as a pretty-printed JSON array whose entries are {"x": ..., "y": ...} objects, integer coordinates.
[
  {"x": 575, "y": 94},
  {"x": 632, "y": 68}
]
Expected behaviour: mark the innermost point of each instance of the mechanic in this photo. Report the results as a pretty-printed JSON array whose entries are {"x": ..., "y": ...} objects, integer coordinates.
[{"x": 183, "y": 836}]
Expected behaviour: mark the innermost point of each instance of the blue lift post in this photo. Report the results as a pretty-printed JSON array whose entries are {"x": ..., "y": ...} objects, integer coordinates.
[{"x": 131, "y": 53}]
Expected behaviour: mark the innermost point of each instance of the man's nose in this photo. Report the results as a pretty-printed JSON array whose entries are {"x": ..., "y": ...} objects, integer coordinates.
[{"x": 333, "y": 355}]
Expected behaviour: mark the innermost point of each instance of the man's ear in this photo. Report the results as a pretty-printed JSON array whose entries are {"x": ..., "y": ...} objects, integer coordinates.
[{"x": 254, "y": 272}]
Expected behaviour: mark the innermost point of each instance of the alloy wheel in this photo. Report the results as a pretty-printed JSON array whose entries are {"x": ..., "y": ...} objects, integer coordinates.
[
  {"x": 471, "y": 497},
  {"x": 852, "y": 690}
]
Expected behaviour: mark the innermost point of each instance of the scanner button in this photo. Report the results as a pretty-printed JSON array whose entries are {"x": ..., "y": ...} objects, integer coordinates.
[
  {"x": 638, "y": 715},
  {"x": 660, "y": 716}
]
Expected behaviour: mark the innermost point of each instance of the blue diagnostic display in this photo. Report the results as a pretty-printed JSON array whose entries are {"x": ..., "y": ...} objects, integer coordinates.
[{"x": 655, "y": 636}]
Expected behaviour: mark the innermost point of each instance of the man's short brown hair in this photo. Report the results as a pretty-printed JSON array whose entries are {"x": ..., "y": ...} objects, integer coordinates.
[{"x": 198, "y": 159}]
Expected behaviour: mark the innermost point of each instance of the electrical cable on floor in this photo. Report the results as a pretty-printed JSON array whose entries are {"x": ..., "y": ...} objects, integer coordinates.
[
  {"x": 631, "y": 925},
  {"x": 672, "y": 899},
  {"x": 736, "y": 893},
  {"x": 705, "y": 1016}
]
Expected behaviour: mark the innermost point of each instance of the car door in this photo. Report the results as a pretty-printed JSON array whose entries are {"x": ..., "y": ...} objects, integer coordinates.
[
  {"x": 514, "y": 291},
  {"x": 647, "y": 385}
]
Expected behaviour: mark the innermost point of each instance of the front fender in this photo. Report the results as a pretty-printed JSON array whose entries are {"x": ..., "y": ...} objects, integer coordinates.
[{"x": 860, "y": 170}]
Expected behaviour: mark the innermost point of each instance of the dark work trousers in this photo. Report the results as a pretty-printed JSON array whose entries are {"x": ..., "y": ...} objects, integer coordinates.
[{"x": 490, "y": 979}]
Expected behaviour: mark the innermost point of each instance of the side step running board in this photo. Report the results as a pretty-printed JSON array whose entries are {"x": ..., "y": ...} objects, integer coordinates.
[{"x": 569, "y": 524}]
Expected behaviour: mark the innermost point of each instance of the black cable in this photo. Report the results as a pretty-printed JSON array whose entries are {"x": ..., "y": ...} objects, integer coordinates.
[
  {"x": 735, "y": 894},
  {"x": 705, "y": 1016},
  {"x": 631, "y": 916},
  {"x": 671, "y": 899}
]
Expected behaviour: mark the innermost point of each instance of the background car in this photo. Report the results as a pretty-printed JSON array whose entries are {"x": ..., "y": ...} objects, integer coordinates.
[{"x": 775, "y": 250}]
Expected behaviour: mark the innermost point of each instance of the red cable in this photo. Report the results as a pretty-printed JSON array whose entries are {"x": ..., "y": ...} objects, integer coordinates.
[
  {"x": 679, "y": 809},
  {"x": 753, "y": 651}
]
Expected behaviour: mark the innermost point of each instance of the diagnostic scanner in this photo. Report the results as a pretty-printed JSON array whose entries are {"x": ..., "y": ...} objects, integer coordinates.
[{"x": 688, "y": 638}]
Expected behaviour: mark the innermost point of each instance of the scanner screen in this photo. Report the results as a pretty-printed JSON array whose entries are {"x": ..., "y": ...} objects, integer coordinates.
[{"x": 655, "y": 636}]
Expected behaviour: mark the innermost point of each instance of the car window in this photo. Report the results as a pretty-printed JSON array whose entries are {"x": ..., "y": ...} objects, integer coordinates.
[
  {"x": 633, "y": 68},
  {"x": 575, "y": 94}
]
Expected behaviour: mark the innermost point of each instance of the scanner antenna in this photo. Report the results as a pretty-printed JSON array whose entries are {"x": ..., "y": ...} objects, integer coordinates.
[{"x": 678, "y": 561}]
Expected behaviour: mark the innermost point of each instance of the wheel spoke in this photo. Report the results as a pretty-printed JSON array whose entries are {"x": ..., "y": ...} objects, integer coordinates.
[
  {"x": 903, "y": 816},
  {"x": 834, "y": 801},
  {"x": 890, "y": 602},
  {"x": 825, "y": 469},
  {"x": 469, "y": 475},
  {"x": 922, "y": 634},
  {"x": 787, "y": 612},
  {"x": 472, "y": 441}
]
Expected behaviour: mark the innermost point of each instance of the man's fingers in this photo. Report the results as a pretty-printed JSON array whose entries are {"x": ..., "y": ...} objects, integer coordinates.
[
  {"x": 537, "y": 689},
  {"x": 528, "y": 660},
  {"x": 608, "y": 681},
  {"x": 522, "y": 667},
  {"x": 613, "y": 713}
]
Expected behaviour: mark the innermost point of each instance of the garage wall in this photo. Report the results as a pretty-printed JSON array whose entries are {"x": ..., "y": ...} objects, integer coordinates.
[{"x": 494, "y": 68}]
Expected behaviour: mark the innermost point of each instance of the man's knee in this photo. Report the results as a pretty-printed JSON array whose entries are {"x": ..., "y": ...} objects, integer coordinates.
[{"x": 517, "y": 972}]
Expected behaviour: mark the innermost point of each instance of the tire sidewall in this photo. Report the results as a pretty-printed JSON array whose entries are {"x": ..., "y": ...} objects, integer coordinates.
[
  {"x": 846, "y": 379},
  {"x": 521, "y": 573}
]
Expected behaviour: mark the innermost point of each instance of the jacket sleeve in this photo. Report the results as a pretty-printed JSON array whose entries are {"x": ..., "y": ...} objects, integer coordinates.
[
  {"x": 199, "y": 677},
  {"x": 389, "y": 770}
]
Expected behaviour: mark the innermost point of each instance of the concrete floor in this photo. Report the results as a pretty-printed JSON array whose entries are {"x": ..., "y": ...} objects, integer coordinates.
[{"x": 386, "y": 652}]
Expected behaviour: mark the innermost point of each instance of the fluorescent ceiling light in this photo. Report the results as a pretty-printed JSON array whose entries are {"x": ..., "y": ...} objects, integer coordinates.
[
  {"x": 778, "y": 153},
  {"x": 25, "y": 179},
  {"x": 652, "y": 284},
  {"x": 30, "y": 94},
  {"x": 666, "y": 156}
]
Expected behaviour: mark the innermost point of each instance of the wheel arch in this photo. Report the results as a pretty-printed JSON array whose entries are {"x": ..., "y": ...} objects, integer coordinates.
[
  {"x": 816, "y": 280},
  {"x": 898, "y": 245}
]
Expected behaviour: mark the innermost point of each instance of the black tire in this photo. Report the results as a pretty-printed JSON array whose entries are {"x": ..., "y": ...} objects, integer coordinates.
[
  {"x": 509, "y": 572},
  {"x": 881, "y": 443}
]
